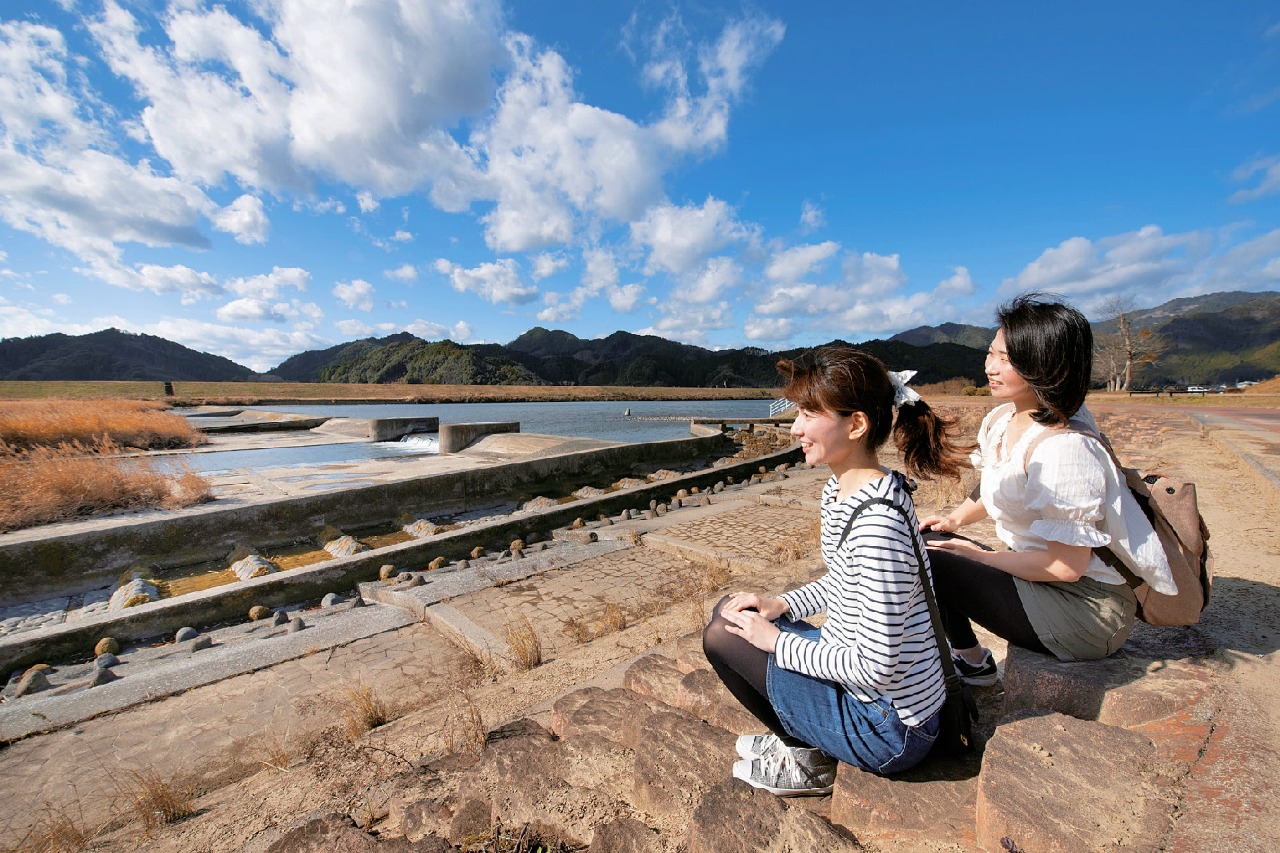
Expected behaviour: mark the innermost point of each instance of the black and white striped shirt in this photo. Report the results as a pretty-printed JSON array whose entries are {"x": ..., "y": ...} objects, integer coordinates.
[{"x": 878, "y": 639}]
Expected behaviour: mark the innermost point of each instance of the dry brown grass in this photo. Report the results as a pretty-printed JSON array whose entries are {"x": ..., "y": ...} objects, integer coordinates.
[
  {"x": 361, "y": 709},
  {"x": 523, "y": 641},
  {"x": 130, "y": 424},
  {"x": 157, "y": 801},
  {"x": 48, "y": 484},
  {"x": 57, "y": 830},
  {"x": 463, "y": 727}
]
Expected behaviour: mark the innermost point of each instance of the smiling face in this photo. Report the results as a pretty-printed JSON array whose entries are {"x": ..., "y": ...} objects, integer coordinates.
[
  {"x": 826, "y": 437},
  {"x": 1006, "y": 383}
]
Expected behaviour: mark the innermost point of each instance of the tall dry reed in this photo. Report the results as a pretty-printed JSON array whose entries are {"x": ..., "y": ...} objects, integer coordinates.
[
  {"x": 128, "y": 424},
  {"x": 71, "y": 480}
]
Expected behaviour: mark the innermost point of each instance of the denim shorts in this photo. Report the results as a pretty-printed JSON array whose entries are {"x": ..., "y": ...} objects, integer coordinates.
[{"x": 822, "y": 713}]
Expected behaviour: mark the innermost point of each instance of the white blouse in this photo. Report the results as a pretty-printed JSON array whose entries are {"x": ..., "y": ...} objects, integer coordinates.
[{"x": 1069, "y": 491}]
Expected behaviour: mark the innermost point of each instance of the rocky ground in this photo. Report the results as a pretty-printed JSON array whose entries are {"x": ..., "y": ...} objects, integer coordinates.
[{"x": 621, "y": 740}]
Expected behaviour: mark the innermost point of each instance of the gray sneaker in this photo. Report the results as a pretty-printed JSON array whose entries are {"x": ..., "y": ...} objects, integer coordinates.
[
  {"x": 758, "y": 746},
  {"x": 789, "y": 772}
]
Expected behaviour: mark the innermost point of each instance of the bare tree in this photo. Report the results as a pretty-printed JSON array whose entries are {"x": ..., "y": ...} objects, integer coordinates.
[{"x": 1118, "y": 355}]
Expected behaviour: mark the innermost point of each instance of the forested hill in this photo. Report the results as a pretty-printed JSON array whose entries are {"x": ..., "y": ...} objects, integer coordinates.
[
  {"x": 548, "y": 357},
  {"x": 112, "y": 355},
  {"x": 1217, "y": 338}
]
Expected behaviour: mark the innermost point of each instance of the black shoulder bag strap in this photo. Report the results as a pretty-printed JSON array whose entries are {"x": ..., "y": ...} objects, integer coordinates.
[{"x": 956, "y": 689}]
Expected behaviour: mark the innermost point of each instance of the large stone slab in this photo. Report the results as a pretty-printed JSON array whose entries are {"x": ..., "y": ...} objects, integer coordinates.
[
  {"x": 928, "y": 805},
  {"x": 703, "y": 693},
  {"x": 679, "y": 758},
  {"x": 657, "y": 676},
  {"x": 1159, "y": 672},
  {"x": 1056, "y": 783},
  {"x": 733, "y": 817}
]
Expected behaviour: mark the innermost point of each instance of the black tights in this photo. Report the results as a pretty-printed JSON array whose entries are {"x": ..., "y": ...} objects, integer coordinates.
[
  {"x": 967, "y": 589},
  {"x": 744, "y": 669}
]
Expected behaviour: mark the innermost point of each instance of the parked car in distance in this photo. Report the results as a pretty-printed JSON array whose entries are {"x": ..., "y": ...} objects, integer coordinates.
[{"x": 1197, "y": 389}]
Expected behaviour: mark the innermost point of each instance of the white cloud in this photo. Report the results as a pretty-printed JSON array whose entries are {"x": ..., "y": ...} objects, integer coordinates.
[
  {"x": 791, "y": 265},
  {"x": 268, "y": 286},
  {"x": 495, "y": 282},
  {"x": 368, "y": 203},
  {"x": 258, "y": 349},
  {"x": 356, "y": 294},
  {"x": 625, "y": 298},
  {"x": 873, "y": 275},
  {"x": 244, "y": 218},
  {"x": 690, "y": 324},
  {"x": 812, "y": 217},
  {"x": 769, "y": 328},
  {"x": 404, "y": 272},
  {"x": 459, "y": 332},
  {"x": 61, "y": 298},
  {"x": 246, "y": 309},
  {"x": 546, "y": 265},
  {"x": 719, "y": 275},
  {"x": 1134, "y": 263},
  {"x": 958, "y": 283},
  {"x": 1268, "y": 168},
  {"x": 402, "y": 237},
  {"x": 679, "y": 239},
  {"x": 354, "y": 328}
]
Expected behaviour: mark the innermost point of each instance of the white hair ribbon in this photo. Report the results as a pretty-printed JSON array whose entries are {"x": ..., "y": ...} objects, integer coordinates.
[{"x": 902, "y": 395}]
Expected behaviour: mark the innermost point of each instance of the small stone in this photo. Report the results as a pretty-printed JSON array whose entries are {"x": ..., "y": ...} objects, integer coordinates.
[
  {"x": 517, "y": 553},
  {"x": 661, "y": 509},
  {"x": 578, "y": 524},
  {"x": 463, "y": 564},
  {"x": 32, "y": 682},
  {"x": 477, "y": 552},
  {"x": 718, "y": 487},
  {"x": 102, "y": 675},
  {"x": 653, "y": 505},
  {"x": 330, "y": 599},
  {"x": 386, "y": 572},
  {"x": 650, "y": 515},
  {"x": 517, "y": 545},
  {"x": 695, "y": 490},
  {"x": 258, "y": 612},
  {"x": 683, "y": 493},
  {"x": 296, "y": 624},
  {"x": 106, "y": 660},
  {"x": 540, "y": 546},
  {"x": 437, "y": 563},
  {"x": 677, "y": 503},
  {"x": 403, "y": 577},
  {"x": 763, "y": 470},
  {"x": 184, "y": 634},
  {"x": 416, "y": 580},
  {"x": 107, "y": 645},
  {"x": 625, "y": 515},
  {"x": 204, "y": 641},
  {"x": 279, "y": 618}
]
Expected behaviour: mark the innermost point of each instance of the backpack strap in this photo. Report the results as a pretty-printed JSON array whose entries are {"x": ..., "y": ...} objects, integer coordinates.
[{"x": 951, "y": 678}]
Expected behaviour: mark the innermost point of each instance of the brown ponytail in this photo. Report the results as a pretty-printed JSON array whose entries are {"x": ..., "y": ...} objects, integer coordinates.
[{"x": 924, "y": 437}]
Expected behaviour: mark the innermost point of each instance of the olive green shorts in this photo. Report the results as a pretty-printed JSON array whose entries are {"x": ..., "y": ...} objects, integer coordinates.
[{"x": 1082, "y": 620}]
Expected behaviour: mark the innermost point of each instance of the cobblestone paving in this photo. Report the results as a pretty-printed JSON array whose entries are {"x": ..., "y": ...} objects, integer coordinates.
[
  {"x": 752, "y": 532},
  {"x": 634, "y": 580}
]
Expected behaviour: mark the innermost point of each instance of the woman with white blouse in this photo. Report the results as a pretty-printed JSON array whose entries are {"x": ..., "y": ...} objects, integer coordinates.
[{"x": 1053, "y": 499}]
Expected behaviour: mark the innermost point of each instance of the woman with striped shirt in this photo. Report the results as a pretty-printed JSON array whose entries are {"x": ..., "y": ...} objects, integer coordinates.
[{"x": 865, "y": 688}]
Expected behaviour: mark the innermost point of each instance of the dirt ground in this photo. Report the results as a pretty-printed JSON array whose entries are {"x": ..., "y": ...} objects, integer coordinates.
[{"x": 1243, "y": 623}]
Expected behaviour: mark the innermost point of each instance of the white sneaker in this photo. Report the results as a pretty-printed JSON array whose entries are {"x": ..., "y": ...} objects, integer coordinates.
[
  {"x": 758, "y": 746},
  {"x": 789, "y": 772}
]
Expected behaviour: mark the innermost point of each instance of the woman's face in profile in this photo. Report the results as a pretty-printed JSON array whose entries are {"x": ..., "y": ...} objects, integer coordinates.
[{"x": 1006, "y": 383}]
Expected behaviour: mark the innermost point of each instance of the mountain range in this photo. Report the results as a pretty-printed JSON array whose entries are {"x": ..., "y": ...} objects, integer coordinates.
[{"x": 1217, "y": 338}]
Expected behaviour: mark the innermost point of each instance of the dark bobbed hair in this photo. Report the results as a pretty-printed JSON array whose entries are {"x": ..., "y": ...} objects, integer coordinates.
[
  {"x": 844, "y": 380},
  {"x": 1050, "y": 344}
]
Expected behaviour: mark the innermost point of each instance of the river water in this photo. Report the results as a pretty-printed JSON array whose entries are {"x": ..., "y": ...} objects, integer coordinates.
[{"x": 649, "y": 420}]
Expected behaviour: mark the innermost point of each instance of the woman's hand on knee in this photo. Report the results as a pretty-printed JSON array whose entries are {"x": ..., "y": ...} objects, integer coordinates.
[
  {"x": 752, "y": 627},
  {"x": 768, "y": 607}
]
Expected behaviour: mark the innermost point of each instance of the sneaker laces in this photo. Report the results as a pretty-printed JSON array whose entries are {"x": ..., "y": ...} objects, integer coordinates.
[{"x": 783, "y": 760}]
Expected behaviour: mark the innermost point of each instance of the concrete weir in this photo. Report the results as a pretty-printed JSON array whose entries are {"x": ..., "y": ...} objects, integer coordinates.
[{"x": 486, "y": 480}]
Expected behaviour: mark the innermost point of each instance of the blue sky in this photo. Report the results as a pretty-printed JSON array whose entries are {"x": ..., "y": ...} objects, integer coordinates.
[{"x": 257, "y": 178}]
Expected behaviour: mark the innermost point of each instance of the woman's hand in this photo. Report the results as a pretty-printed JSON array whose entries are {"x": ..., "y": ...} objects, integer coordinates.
[
  {"x": 940, "y": 523},
  {"x": 768, "y": 607},
  {"x": 752, "y": 627},
  {"x": 962, "y": 546}
]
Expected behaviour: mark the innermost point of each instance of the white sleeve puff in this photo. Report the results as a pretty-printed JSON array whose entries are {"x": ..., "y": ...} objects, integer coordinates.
[{"x": 1067, "y": 490}]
